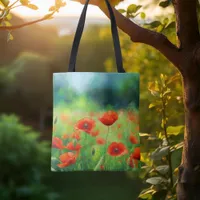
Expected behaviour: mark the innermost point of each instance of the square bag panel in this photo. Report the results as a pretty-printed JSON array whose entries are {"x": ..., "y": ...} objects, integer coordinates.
[{"x": 95, "y": 115}]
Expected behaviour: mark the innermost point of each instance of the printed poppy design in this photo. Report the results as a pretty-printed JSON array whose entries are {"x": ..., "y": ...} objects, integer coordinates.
[
  {"x": 65, "y": 136},
  {"x": 136, "y": 154},
  {"x": 109, "y": 118},
  {"x": 100, "y": 141},
  {"x": 119, "y": 136},
  {"x": 85, "y": 125},
  {"x": 63, "y": 117},
  {"x": 73, "y": 147},
  {"x": 76, "y": 135},
  {"x": 67, "y": 159},
  {"x": 57, "y": 143},
  {"x": 94, "y": 133},
  {"x": 117, "y": 149},
  {"x": 102, "y": 167},
  {"x": 132, "y": 117},
  {"x": 133, "y": 139},
  {"x": 132, "y": 162},
  {"x": 119, "y": 126},
  {"x": 134, "y": 158}
]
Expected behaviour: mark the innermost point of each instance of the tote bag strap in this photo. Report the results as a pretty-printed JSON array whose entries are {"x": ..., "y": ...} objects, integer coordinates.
[{"x": 79, "y": 32}]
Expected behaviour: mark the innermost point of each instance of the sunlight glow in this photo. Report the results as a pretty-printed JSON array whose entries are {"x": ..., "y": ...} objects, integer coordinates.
[
  {"x": 71, "y": 9},
  {"x": 75, "y": 8}
]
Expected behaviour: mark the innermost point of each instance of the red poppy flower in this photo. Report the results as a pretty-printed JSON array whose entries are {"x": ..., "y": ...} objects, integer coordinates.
[
  {"x": 72, "y": 147},
  {"x": 117, "y": 149},
  {"x": 133, "y": 139},
  {"x": 109, "y": 118},
  {"x": 67, "y": 159},
  {"x": 101, "y": 167},
  {"x": 130, "y": 163},
  {"x": 119, "y": 125},
  {"x": 136, "y": 154},
  {"x": 57, "y": 143},
  {"x": 94, "y": 133},
  {"x": 65, "y": 136},
  {"x": 76, "y": 135},
  {"x": 100, "y": 141},
  {"x": 132, "y": 117},
  {"x": 119, "y": 136},
  {"x": 85, "y": 124}
]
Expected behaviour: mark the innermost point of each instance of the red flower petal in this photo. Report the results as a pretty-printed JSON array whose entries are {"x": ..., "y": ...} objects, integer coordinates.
[
  {"x": 136, "y": 154},
  {"x": 72, "y": 147},
  {"x": 133, "y": 139},
  {"x": 57, "y": 143},
  {"x": 109, "y": 118},
  {"x": 67, "y": 159},
  {"x": 100, "y": 141},
  {"x": 85, "y": 125},
  {"x": 117, "y": 149}
]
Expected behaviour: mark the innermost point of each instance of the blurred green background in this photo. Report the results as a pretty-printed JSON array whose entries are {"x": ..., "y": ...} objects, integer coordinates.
[{"x": 26, "y": 67}]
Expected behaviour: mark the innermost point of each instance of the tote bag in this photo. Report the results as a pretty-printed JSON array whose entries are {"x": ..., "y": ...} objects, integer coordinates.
[{"x": 95, "y": 125}]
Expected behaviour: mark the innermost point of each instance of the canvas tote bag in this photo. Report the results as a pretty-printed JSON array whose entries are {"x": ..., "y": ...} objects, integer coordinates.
[{"x": 95, "y": 125}]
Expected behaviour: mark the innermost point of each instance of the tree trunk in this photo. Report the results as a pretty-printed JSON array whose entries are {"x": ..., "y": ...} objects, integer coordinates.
[{"x": 188, "y": 187}]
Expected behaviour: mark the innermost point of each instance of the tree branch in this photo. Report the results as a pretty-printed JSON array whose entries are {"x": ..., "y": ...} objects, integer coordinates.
[
  {"x": 186, "y": 22},
  {"x": 142, "y": 35},
  {"x": 10, "y": 28}
]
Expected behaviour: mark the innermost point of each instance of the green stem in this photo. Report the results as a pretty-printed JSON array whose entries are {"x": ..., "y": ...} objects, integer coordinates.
[
  {"x": 167, "y": 139},
  {"x": 86, "y": 144},
  {"x": 106, "y": 145}
]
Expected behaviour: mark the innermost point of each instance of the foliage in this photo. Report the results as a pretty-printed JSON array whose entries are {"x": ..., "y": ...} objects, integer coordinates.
[
  {"x": 24, "y": 161},
  {"x": 7, "y": 6},
  {"x": 160, "y": 171}
]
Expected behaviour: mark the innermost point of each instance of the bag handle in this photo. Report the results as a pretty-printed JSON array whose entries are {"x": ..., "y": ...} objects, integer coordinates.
[{"x": 79, "y": 32}]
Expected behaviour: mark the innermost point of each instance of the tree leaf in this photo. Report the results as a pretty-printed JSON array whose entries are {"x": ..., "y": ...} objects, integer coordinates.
[
  {"x": 142, "y": 15},
  {"x": 5, "y": 2},
  {"x": 133, "y": 8},
  {"x": 163, "y": 169},
  {"x": 160, "y": 28},
  {"x": 176, "y": 147},
  {"x": 171, "y": 25},
  {"x": 155, "y": 180},
  {"x": 175, "y": 130},
  {"x": 151, "y": 105},
  {"x": 154, "y": 24},
  {"x": 32, "y": 6},
  {"x": 144, "y": 135},
  {"x": 9, "y": 16},
  {"x": 52, "y": 8},
  {"x": 24, "y": 2},
  {"x": 159, "y": 153},
  {"x": 48, "y": 16},
  {"x": 164, "y": 4},
  {"x": 121, "y": 10},
  {"x": 146, "y": 194},
  {"x": 165, "y": 21}
]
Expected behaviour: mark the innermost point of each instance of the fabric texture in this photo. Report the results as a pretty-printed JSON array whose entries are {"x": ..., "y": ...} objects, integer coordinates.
[{"x": 95, "y": 115}]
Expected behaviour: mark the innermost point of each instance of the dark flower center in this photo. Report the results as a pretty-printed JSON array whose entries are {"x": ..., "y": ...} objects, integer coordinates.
[
  {"x": 116, "y": 150},
  {"x": 85, "y": 125}
]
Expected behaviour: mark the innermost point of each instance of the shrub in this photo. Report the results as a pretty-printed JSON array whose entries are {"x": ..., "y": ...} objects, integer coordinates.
[{"x": 24, "y": 162}]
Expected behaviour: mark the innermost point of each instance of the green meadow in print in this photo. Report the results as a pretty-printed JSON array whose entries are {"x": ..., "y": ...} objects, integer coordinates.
[{"x": 95, "y": 125}]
